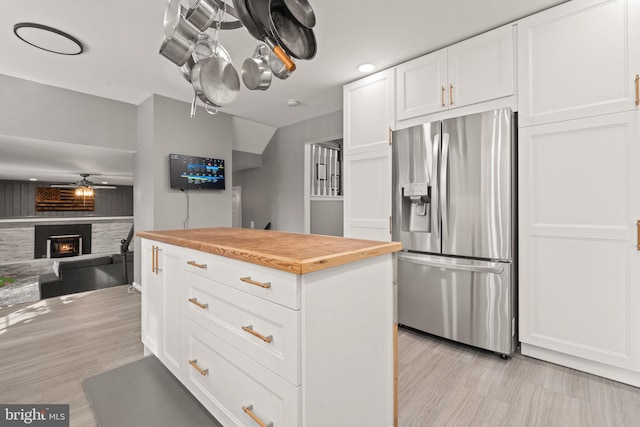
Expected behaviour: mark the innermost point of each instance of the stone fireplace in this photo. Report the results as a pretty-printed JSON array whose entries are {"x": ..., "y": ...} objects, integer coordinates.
[{"x": 64, "y": 246}]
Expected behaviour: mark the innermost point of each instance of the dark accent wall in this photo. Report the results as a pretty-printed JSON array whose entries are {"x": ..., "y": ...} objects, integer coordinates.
[{"x": 18, "y": 200}]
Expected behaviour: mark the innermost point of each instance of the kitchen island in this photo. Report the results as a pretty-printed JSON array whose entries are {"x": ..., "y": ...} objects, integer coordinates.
[{"x": 271, "y": 327}]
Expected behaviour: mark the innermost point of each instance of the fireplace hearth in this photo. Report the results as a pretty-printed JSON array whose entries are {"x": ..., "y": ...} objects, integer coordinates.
[{"x": 64, "y": 246}]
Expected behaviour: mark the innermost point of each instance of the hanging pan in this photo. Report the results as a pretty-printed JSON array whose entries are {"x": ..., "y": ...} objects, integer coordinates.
[
  {"x": 202, "y": 15},
  {"x": 215, "y": 81},
  {"x": 300, "y": 10},
  {"x": 260, "y": 32},
  {"x": 181, "y": 37},
  {"x": 256, "y": 73}
]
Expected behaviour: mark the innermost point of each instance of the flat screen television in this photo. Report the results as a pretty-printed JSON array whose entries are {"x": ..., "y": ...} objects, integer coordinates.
[{"x": 196, "y": 173}]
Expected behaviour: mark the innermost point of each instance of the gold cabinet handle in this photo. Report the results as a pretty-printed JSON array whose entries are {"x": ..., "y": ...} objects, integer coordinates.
[
  {"x": 450, "y": 93},
  {"x": 265, "y": 285},
  {"x": 153, "y": 258},
  {"x": 249, "y": 411},
  {"x": 442, "y": 96},
  {"x": 194, "y": 363},
  {"x": 157, "y": 266},
  {"x": 637, "y": 89},
  {"x": 195, "y": 264},
  {"x": 256, "y": 334},
  {"x": 199, "y": 304}
]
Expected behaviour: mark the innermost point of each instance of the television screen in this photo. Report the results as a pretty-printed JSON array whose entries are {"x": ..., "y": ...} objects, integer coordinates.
[{"x": 200, "y": 173}]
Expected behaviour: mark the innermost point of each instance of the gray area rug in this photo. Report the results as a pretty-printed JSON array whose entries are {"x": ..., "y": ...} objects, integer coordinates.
[
  {"x": 25, "y": 289},
  {"x": 144, "y": 393}
]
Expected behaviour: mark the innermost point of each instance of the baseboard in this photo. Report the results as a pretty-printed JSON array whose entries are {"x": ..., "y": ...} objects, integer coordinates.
[{"x": 611, "y": 372}]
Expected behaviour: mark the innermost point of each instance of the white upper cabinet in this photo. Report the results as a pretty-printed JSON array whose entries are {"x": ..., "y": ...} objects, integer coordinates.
[
  {"x": 475, "y": 70},
  {"x": 368, "y": 112},
  {"x": 579, "y": 59}
]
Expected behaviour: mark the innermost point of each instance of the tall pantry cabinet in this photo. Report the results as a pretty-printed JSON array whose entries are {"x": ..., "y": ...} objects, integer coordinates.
[
  {"x": 579, "y": 187},
  {"x": 368, "y": 116}
]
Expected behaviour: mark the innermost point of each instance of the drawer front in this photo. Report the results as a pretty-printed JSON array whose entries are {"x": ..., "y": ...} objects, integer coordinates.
[
  {"x": 234, "y": 385},
  {"x": 266, "y": 332},
  {"x": 273, "y": 285}
]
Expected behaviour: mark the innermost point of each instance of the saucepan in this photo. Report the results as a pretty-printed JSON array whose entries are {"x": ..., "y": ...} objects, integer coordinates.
[
  {"x": 215, "y": 82},
  {"x": 256, "y": 73},
  {"x": 181, "y": 37},
  {"x": 278, "y": 68},
  {"x": 202, "y": 15},
  {"x": 205, "y": 47}
]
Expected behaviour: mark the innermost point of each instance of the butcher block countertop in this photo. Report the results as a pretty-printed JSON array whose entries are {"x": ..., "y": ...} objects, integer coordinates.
[{"x": 291, "y": 252}]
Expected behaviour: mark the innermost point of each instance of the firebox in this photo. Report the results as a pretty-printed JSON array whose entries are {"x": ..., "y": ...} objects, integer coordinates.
[{"x": 64, "y": 246}]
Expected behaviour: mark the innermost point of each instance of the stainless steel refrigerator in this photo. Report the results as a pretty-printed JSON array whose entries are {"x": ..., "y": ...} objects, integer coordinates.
[{"x": 454, "y": 201}]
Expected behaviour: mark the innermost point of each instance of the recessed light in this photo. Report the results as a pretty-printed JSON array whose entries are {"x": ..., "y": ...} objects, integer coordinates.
[
  {"x": 365, "y": 68},
  {"x": 48, "y": 38},
  {"x": 33, "y": 179},
  {"x": 104, "y": 182},
  {"x": 293, "y": 103}
]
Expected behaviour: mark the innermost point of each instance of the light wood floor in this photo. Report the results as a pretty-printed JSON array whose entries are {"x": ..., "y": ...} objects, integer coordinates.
[{"x": 47, "y": 348}]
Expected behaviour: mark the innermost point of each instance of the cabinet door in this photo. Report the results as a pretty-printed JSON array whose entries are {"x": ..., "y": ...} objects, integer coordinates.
[
  {"x": 579, "y": 262},
  {"x": 422, "y": 86},
  {"x": 367, "y": 195},
  {"x": 481, "y": 68},
  {"x": 576, "y": 61},
  {"x": 173, "y": 309},
  {"x": 368, "y": 112},
  {"x": 152, "y": 322}
]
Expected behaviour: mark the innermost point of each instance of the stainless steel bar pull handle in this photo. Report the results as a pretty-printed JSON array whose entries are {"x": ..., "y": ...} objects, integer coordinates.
[
  {"x": 265, "y": 285},
  {"x": 435, "y": 198},
  {"x": 638, "y": 239},
  {"x": 451, "y": 94},
  {"x": 442, "y": 96},
  {"x": 449, "y": 265},
  {"x": 637, "y": 89},
  {"x": 444, "y": 169},
  {"x": 249, "y": 411}
]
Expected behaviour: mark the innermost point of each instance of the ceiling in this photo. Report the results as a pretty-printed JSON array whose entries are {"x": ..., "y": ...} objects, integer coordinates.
[{"x": 122, "y": 38}]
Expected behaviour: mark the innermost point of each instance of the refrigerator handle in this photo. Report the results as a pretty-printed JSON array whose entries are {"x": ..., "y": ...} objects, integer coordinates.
[
  {"x": 435, "y": 208},
  {"x": 443, "y": 185},
  {"x": 417, "y": 259}
]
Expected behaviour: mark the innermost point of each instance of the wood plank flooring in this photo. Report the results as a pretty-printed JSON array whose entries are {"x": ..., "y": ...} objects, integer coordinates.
[{"x": 47, "y": 348}]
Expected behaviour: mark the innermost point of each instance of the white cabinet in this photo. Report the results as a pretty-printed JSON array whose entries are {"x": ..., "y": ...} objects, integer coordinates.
[
  {"x": 579, "y": 185},
  {"x": 475, "y": 70},
  {"x": 577, "y": 60},
  {"x": 161, "y": 317},
  {"x": 368, "y": 117},
  {"x": 259, "y": 345}
]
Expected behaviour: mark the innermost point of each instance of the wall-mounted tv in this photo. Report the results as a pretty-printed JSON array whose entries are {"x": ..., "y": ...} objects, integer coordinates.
[{"x": 196, "y": 173}]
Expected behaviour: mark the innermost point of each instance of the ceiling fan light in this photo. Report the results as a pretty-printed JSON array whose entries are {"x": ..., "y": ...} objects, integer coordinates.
[{"x": 84, "y": 192}]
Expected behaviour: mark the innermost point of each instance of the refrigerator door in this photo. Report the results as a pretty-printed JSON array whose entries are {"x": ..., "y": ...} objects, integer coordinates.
[
  {"x": 476, "y": 184},
  {"x": 469, "y": 301},
  {"x": 415, "y": 204}
]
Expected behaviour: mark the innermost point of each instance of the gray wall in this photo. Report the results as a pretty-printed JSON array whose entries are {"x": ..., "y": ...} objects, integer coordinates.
[
  {"x": 326, "y": 217},
  {"x": 164, "y": 127},
  {"x": 275, "y": 192},
  {"x": 18, "y": 200},
  {"x": 37, "y": 111}
]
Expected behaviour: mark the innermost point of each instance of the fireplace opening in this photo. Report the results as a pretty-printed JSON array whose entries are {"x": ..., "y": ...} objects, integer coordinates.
[{"x": 64, "y": 246}]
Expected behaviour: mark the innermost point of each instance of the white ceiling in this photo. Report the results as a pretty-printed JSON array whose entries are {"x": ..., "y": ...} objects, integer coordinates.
[{"x": 122, "y": 38}]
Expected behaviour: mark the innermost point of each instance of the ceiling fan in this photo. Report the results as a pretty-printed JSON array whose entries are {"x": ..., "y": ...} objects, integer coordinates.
[{"x": 84, "y": 187}]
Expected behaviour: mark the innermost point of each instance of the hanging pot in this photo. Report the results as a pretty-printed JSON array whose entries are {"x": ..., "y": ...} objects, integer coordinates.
[
  {"x": 202, "y": 15},
  {"x": 180, "y": 36},
  {"x": 261, "y": 32},
  {"x": 215, "y": 81},
  {"x": 205, "y": 47},
  {"x": 278, "y": 68},
  {"x": 256, "y": 73}
]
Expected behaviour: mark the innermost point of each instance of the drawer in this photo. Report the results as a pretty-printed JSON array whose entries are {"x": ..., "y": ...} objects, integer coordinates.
[
  {"x": 226, "y": 381},
  {"x": 266, "y": 332},
  {"x": 267, "y": 283}
]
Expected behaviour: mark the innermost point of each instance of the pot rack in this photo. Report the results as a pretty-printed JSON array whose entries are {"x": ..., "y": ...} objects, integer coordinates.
[{"x": 218, "y": 23}]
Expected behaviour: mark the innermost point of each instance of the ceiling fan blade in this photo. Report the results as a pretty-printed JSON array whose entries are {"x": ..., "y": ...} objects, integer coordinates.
[
  {"x": 63, "y": 186},
  {"x": 103, "y": 187}
]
